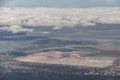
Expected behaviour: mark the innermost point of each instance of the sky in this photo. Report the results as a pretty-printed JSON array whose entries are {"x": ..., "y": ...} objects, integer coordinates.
[{"x": 60, "y": 3}]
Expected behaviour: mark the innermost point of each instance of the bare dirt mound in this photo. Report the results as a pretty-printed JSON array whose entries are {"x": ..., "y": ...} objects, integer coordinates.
[{"x": 64, "y": 58}]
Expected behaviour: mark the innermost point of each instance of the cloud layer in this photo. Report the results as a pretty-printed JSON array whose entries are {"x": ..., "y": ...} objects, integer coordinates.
[
  {"x": 16, "y": 18},
  {"x": 16, "y": 29}
]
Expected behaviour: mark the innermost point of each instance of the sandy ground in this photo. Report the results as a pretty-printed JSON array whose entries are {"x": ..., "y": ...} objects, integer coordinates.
[{"x": 67, "y": 59}]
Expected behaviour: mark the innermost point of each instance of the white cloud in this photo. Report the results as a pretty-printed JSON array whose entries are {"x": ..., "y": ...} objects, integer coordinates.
[
  {"x": 44, "y": 32},
  {"x": 56, "y": 17},
  {"x": 16, "y": 29}
]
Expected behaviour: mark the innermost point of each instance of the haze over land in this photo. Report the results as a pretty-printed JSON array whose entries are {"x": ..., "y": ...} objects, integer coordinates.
[
  {"x": 59, "y": 39},
  {"x": 81, "y": 24},
  {"x": 39, "y": 41}
]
